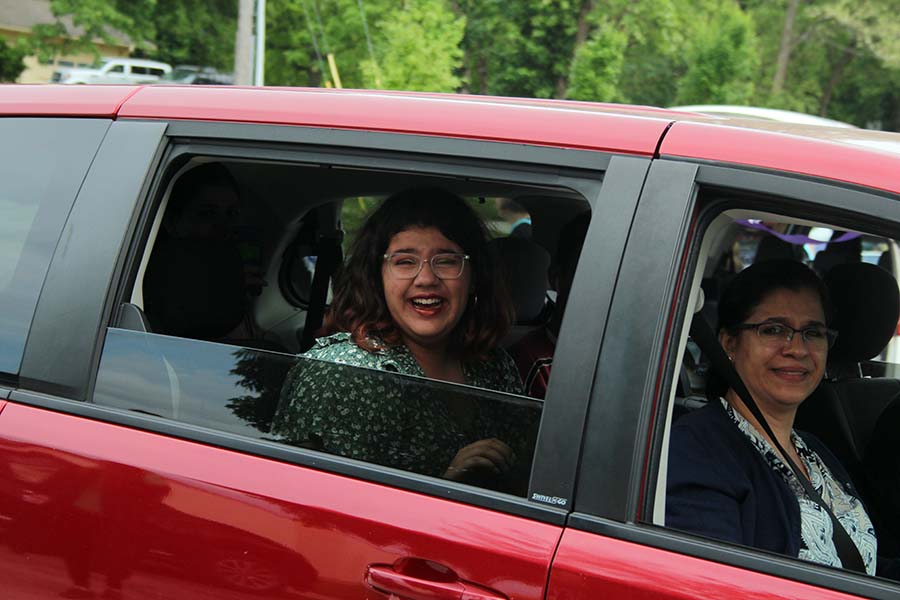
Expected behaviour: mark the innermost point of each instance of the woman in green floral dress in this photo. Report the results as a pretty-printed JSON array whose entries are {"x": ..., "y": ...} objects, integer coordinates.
[{"x": 420, "y": 295}]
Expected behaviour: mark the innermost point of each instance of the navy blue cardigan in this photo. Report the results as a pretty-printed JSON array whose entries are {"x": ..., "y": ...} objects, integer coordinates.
[{"x": 720, "y": 486}]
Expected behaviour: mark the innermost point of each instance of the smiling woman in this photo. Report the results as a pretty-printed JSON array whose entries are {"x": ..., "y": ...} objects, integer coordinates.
[
  {"x": 420, "y": 295},
  {"x": 728, "y": 478}
]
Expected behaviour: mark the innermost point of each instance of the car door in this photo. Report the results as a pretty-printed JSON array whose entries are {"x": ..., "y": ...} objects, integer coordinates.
[
  {"x": 616, "y": 544},
  {"x": 115, "y": 495}
]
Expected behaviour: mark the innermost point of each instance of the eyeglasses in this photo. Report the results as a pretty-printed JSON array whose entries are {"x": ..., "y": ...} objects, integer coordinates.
[
  {"x": 773, "y": 333},
  {"x": 403, "y": 265}
]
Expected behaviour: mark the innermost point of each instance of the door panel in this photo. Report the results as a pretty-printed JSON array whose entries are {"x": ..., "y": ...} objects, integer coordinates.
[
  {"x": 59, "y": 360},
  {"x": 86, "y": 504},
  {"x": 591, "y": 566}
]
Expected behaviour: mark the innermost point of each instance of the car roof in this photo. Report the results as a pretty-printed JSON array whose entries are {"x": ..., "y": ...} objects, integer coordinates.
[
  {"x": 857, "y": 156},
  {"x": 755, "y": 112}
]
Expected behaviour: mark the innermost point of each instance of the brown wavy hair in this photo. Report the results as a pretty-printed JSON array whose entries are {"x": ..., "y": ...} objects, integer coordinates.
[{"x": 358, "y": 305}]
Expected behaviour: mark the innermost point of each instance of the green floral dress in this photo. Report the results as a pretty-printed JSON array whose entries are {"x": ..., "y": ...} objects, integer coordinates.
[{"x": 347, "y": 401}]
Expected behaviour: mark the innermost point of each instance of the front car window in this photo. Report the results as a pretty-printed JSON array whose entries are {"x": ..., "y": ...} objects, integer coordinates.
[{"x": 848, "y": 414}]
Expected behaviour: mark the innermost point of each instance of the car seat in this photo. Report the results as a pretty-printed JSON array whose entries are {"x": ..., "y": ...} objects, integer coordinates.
[
  {"x": 845, "y": 408},
  {"x": 838, "y": 253},
  {"x": 195, "y": 288},
  {"x": 525, "y": 265},
  {"x": 881, "y": 464}
]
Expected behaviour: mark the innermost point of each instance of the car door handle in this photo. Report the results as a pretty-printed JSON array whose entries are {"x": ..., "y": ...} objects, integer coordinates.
[{"x": 418, "y": 579}]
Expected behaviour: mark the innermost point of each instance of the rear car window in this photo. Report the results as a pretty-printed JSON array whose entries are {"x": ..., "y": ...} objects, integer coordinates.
[{"x": 42, "y": 164}]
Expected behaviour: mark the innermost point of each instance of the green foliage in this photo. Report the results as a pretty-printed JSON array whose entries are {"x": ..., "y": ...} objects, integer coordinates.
[
  {"x": 198, "y": 32},
  {"x": 722, "y": 60},
  {"x": 873, "y": 25},
  {"x": 11, "y": 61},
  {"x": 418, "y": 49},
  {"x": 175, "y": 31},
  {"x": 98, "y": 20},
  {"x": 843, "y": 56},
  {"x": 597, "y": 66}
]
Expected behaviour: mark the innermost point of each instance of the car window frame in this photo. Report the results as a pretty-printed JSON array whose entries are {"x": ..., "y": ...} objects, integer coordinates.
[
  {"x": 52, "y": 207},
  {"x": 672, "y": 189},
  {"x": 573, "y": 168},
  {"x": 76, "y": 289}
]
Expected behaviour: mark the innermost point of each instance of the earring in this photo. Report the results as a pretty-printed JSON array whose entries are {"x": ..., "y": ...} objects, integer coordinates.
[{"x": 731, "y": 357}]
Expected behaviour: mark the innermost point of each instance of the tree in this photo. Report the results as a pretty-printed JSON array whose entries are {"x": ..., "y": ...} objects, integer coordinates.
[
  {"x": 722, "y": 61},
  {"x": 11, "y": 61},
  {"x": 842, "y": 58},
  {"x": 418, "y": 48},
  {"x": 262, "y": 376},
  {"x": 198, "y": 32},
  {"x": 786, "y": 46},
  {"x": 98, "y": 19},
  {"x": 632, "y": 52},
  {"x": 175, "y": 31},
  {"x": 597, "y": 66}
]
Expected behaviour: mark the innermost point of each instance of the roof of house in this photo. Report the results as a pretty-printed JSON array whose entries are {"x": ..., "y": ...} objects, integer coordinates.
[{"x": 24, "y": 14}]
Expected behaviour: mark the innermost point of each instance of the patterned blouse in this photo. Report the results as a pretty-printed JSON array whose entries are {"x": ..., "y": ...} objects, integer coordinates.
[
  {"x": 816, "y": 539},
  {"x": 413, "y": 424}
]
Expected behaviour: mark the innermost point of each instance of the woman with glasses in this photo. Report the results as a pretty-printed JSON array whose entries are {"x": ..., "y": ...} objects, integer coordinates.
[
  {"x": 418, "y": 295},
  {"x": 726, "y": 479}
]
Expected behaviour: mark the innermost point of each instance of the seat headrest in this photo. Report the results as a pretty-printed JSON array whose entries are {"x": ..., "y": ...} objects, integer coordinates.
[
  {"x": 867, "y": 306},
  {"x": 525, "y": 264},
  {"x": 195, "y": 288}
]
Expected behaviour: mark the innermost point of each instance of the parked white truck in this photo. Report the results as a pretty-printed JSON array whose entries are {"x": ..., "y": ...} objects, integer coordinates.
[{"x": 115, "y": 70}]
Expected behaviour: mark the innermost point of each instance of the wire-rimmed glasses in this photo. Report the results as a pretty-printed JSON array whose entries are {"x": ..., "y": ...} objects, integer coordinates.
[
  {"x": 447, "y": 265},
  {"x": 817, "y": 337}
]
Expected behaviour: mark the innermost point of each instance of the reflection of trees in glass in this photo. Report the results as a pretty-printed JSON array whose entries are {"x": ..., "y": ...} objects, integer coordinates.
[{"x": 262, "y": 374}]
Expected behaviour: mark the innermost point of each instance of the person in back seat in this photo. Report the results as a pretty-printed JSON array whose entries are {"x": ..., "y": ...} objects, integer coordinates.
[
  {"x": 726, "y": 479},
  {"x": 198, "y": 280},
  {"x": 418, "y": 295},
  {"x": 534, "y": 352}
]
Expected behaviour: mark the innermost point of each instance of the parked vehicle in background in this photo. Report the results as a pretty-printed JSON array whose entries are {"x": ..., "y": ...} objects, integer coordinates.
[
  {"x": 115, "y": 70},
  {"x": 148, "y": 324},
  {"x": 195, "y": 75},
  {"x": 765, "y": 114}
]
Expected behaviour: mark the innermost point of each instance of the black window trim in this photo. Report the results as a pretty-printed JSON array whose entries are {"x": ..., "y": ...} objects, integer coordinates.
[
  {"x": 77, "y": 287},
  {"x": 356, "y": 140},
  {"x": 616, "y": 427}
]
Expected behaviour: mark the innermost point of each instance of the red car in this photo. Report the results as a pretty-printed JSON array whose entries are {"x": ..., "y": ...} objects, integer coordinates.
[{"x": 137, "y": 458}]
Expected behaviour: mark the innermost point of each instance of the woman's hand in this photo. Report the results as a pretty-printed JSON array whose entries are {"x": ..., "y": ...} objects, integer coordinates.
[{"x": 484, "y": 456}]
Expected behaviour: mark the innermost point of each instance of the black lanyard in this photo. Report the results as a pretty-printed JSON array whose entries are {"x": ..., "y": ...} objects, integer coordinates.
[{"x": 709, "y": 344}]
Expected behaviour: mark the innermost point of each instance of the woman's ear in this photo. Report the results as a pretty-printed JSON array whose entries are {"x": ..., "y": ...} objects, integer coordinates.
[{"x": 728, "y": 342}]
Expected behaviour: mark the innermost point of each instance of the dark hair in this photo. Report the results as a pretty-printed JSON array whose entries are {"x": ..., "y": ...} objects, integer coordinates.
[
  {"x": 188, "y": 186},
  {"x": 359, "y": 305},
  {"x": 750, "y": 287}
]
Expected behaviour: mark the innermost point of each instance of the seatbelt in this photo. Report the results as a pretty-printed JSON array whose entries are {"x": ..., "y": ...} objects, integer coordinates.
[
  {"x": 328, "y": 256},
  {"x": 704, "y": 337}
]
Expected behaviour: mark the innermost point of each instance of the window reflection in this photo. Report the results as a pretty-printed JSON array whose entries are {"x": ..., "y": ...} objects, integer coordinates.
[{"x": 238, "y": 390}]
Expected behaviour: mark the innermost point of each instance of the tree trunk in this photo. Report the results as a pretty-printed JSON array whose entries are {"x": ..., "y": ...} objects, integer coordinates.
[
  {"x": 581, "y": 34},
  {"x": 784, "y": 49},
  {"x": 837, "y": 74},
  {"x": 243, "y": 49}
]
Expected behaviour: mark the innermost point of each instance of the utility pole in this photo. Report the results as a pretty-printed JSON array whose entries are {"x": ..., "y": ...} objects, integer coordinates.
[
  {"x": 259, "y": 71},
  {"x": 243, "y": 50}
]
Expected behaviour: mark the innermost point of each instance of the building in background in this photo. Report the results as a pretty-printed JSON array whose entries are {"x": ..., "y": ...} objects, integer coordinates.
[{"x": 17, "y": 17}]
